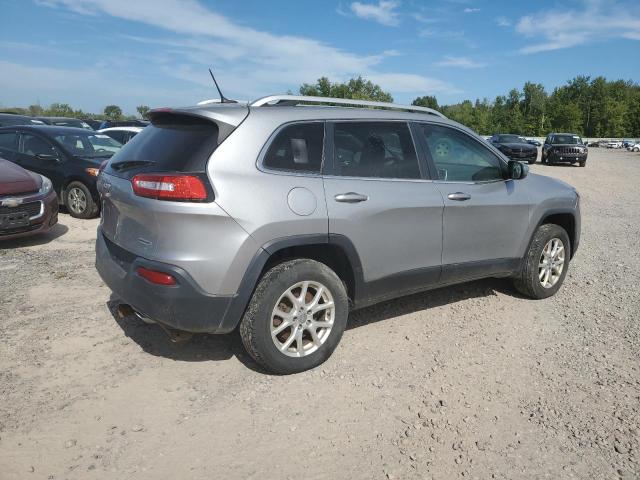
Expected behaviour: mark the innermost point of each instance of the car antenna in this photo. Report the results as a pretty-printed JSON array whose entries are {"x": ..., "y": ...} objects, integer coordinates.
[{"x": 223, "y": 99}]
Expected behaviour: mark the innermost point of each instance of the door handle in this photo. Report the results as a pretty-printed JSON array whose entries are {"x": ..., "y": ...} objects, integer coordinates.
[
  {"x": 351, "y": 197},
  {"x": 459, "y": 196}
]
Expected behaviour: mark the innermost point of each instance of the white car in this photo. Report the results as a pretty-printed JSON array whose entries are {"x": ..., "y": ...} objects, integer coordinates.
[
  {"x": 121, "y": 134},
  {"x": 614, "y": 144},
  {"x": 634, "y": 148}
]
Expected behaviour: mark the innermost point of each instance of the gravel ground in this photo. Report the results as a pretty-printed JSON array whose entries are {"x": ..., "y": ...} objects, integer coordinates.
[{"x": 471, "y": 381}]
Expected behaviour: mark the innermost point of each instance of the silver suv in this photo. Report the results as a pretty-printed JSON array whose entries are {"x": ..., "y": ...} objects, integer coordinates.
[{"x": 280, "y": 216}]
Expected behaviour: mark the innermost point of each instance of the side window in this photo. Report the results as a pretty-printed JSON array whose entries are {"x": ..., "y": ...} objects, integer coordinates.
[
  {"x": 118, "y": 136},
  {"x": 297, "y": 147},
  {"x": 32, "y": 145},
  {"x": 8, "y": 142},
  {"x": 374, "y": 149},
  {"x": 458, "y": 157}
]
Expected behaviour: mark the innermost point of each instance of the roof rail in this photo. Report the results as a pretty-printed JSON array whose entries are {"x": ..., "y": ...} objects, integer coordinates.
[{"x": 292, "y": 100}]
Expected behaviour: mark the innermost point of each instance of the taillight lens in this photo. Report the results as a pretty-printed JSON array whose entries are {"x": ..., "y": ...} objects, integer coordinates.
[
  {"x": 185, "y": 188},
  {"x": 153, "y": 276}
]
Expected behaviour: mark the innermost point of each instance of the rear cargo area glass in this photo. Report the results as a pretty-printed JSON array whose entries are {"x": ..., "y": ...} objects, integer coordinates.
[{"x": 172, "y": 143}]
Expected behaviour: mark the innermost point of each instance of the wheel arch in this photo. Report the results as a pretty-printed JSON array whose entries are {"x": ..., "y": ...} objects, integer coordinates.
[
  {"x": 563, "y": 218},
  {"x": 335, "y": 251}
]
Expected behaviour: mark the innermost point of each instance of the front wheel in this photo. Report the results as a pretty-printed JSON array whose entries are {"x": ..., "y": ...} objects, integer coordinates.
[
  {"x": 296, "y": 317},
  {"x": 544, "y": 267},
  {"x": 583, "y": 163},
  {"x": 531, "y": 162},
  {"x": 79, "y": 202}
]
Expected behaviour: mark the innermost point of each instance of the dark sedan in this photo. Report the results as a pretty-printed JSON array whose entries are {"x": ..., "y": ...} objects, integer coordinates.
[
  {"x": 515, "y": 147},
  {"x": 7, "y": 119},
  {"x": 65, "y": 122},
  {"x": 564, "y": 148},
  {"x": 28, "y": 203},
  {"x": 70, "y": 157}
]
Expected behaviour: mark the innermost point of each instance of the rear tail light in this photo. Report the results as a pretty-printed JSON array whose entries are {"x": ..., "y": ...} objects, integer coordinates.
[
  {"x": 154, "y": 276},
  {"x": 185, "y": 188}
]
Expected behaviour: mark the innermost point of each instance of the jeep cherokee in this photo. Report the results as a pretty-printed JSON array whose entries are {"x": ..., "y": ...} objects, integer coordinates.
[{"x": 279, "y": 218}]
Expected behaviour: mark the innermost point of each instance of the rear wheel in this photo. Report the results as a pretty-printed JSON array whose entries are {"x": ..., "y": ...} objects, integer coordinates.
[
  {"x": 296, "y": 317},
  {"x": 79, "y": 202},
  {"x": 545, "y": 264}
]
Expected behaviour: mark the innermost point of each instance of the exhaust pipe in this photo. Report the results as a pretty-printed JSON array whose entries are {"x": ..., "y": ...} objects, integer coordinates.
[{"x": 175, "y": 336}]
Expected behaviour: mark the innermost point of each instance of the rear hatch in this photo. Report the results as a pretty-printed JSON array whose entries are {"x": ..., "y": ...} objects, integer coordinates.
[{"x": 175, "y": 147}]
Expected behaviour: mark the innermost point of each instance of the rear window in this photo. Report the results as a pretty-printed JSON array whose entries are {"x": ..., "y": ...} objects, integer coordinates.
[
  {"x": 297, "y": 148},
  {"x": 172, "y": 143}
]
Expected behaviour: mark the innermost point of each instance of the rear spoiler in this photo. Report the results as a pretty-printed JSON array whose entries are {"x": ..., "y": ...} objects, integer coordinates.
[{"x": 227, "y": 116}]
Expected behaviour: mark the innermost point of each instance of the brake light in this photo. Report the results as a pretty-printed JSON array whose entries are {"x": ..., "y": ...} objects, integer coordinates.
[
  {"x": 170, "y": 187},
  {"x": 153, "y": 276}
]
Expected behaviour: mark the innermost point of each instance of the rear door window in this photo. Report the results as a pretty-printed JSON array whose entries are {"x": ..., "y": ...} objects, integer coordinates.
[
  {"x": 297, "y": 148},
  {"x": 374, "y": 149},
  {"x": 173, "y": 143}
]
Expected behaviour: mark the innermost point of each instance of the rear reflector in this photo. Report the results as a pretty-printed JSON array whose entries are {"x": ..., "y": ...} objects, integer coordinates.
[
  {"x": 169, "y": 187},
  {"x": 159, "y": 278}
]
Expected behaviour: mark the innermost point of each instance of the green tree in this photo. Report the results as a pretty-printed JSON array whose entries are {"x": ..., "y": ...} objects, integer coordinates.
[
  {"x": 35, "y": 110},
  {"x": 428, "y": 101},
  {"x": 59, "y": 110},
  {"x": 356, "y": 88},
  {"x": 113, "y": 112},
  {"x": 142, "y": 110}
]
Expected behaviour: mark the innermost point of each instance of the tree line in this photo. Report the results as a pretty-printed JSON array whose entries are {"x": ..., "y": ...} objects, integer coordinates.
[
  {"x": 110, "y": 112},
  {"x": 589, "y": 107}
]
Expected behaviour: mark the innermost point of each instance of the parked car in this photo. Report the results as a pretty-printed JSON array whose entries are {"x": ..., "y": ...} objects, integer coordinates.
[
  {"x": 28, "y": 203},
  {"x": 634, "y": 147},
  {"x": 515, "y": 147},
  {"x": 533, "y": 141},
  {"x": 613, "y": 144},
  {"x": 7, "y": 119},
  {"x": 564, "y": 148},
  {"x": 94, "y": 124},
  {"x": 626, "y": 143},
  {"x": 70, "y": 157},
  {"x": 121, "y": 134},
  {"x": 123, "y": 123},
  {"x": 65, "y": 122},
  {"x": 279, "y": 219}
]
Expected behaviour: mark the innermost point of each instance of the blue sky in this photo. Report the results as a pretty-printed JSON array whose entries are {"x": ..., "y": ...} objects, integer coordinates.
[{"x": 90, "y": 53}]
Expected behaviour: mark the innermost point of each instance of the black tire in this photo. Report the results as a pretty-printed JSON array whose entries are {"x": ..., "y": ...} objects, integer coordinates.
[
  {"x": 255, "y": 327},
  {"x": 531, "y": 162},
  {"x": 583, "y": 163},
  {"x": 90, "y": 208},
  {"x": 527, "y": 282}
]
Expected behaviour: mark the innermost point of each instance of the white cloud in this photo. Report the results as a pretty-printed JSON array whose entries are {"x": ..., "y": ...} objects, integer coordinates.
[
  {"x": 594, "y": 21},
  {"x": 503, "y": 21},
  {"x": 471, "y": 10},
  {"x": 248, "y": 62},
  {"x": 384, "y": 12},
  {"x": 459, "y": 62}
]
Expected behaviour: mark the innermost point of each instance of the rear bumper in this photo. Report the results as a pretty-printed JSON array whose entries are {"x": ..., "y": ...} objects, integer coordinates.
[{"x": 184, "y": 306}]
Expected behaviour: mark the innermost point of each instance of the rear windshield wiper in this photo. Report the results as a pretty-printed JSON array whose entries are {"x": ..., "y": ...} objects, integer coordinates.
[{"x": 126, "y": 164}]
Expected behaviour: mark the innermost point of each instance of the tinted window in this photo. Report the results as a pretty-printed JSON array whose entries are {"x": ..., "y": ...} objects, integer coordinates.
[
  {"x": 93, "y": 145},
  {"x": 566, "y": 140},
  {"x": 297, "y": 147},
  {"x": 32, "y": 145},
  {"x": 172, "y": 143},
  {"x": 117, "y": 135},
  {"x": 374, "y": 149},
  {"x": 8, "y": 141},
  {"x": 458, "y": 157}
]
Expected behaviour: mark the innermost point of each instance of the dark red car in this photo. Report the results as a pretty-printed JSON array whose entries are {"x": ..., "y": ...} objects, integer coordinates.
[{"x": 28, "y": 203}]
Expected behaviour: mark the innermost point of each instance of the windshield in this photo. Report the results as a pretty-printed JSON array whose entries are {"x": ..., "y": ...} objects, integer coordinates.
[
  {"x": 88, "y": 145},
  {"x": 511, "y": 139},
  {"x": 566, "y": 140}
]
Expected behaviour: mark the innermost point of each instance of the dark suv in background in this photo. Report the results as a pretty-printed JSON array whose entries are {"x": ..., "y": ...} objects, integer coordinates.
[
  {"x": 70, "y": 157},
  {"x": 564, "y": 148},
  {"x": 515, "y": 147}
]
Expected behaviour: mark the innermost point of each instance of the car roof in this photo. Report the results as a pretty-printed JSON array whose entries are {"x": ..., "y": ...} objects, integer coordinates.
[
  {"x": 48, "y": 129},
  {"x": 60, "y": 118}
]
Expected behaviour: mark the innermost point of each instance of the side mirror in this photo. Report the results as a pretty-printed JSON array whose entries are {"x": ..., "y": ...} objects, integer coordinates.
[
  {"x": 517, "y": 170},
  {"x": 47, "y": 156}
]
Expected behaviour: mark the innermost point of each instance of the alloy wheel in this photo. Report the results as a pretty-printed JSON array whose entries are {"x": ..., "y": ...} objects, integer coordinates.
[
  {"x": 302, "y": 319},
  {"x": 77, "y": 200},
  {"x": 551, "y": 263}
]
